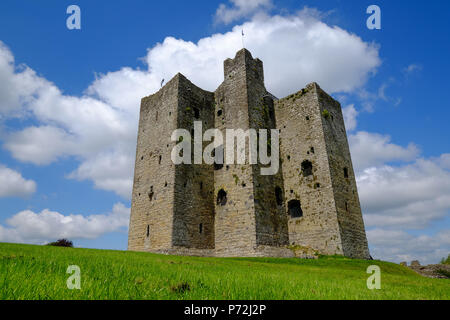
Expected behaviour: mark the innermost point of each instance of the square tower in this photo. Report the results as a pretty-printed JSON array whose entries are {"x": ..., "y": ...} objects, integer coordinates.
[
  {"x": 251, "y": 221},
  {"x": 320, "y": 187}
]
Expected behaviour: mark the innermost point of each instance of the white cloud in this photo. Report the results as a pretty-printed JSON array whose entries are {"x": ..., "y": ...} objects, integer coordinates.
[
  {"x": 109, "y": 171},
  {"x": 398, "y": 198},
  {"x": 12, "y": 184},
  {"x": 398, "y": 246},
  {"x": 410, "y": 196},
  {"x": 372, "y": 149},
  {"x": 99, "y": 128},
  {"x": 240, "y": 9},
  {"x": 39, "y": 228},
  {"x": 412, "y": 68},
  {"x": 296, "y": 50},
  {"x": 350, "y": 115}
]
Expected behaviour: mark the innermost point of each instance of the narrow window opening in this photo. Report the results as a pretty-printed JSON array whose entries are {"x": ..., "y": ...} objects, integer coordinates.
[
  {"x": 148, "y": 231},
  {"x": 307, "y": 118},
  {"x": 219, "y": 113},
  {"x": 345, "y": 172},
  {"x": 295, "y": 209},
  {"x": 151, "y": 193},
  {"x": 307, "y": 168},
  {"x": 165, "y": 185},
  {"x": 346, "y": 206},
  {"x": 201, "y": 185},
  {"x": 222, "y": 197},
  {"x": 196, "y": 113},
  {"x": 200, "y": 228},
  {"x": 279, "y": 196},
  {"x": 160, "y": 158},
  {"x": 312, "y": 150}
]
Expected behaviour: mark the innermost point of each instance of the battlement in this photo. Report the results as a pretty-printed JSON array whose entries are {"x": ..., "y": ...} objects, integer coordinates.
[{"x": 232, "y": 209}]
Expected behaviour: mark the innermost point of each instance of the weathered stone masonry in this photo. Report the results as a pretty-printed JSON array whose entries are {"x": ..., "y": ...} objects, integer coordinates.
[{"x": 233, "y": 210}]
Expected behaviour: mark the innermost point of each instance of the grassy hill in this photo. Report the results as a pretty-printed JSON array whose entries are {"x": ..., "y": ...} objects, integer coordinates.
[{"x": 39, "y": 272}]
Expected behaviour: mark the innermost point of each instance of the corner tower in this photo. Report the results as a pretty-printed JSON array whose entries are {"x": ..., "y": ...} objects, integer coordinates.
[
  {"x": 320, "y": 187},
  {"x": 172, "y": 208}
]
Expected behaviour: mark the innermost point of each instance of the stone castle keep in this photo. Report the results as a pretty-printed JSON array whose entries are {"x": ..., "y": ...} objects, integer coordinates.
[{"x": 233, "y": 210}]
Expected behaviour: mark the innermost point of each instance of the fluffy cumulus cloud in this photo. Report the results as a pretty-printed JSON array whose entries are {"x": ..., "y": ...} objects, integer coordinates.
[
  {"x": 372, "y": 149},
  {"x": 402, "y": 199},
  {"x": 99, "y": 128},
  {"x": 410, "y": 196},
  {"x": 12, "y": 184},
  {"x": 30, "y": 227},
  {"x": 241, "y": 8},
  {"x": 296, "y": 50}
]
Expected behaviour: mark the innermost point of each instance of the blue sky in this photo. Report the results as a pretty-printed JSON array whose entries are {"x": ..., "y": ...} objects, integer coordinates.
[{"x": 396, "y": 113}]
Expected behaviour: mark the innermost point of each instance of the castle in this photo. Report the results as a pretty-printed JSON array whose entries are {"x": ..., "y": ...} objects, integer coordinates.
[{"x": 234, "y": 210}]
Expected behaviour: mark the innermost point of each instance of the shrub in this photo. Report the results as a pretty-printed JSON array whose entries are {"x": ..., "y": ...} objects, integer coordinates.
[
  {"x": 446, "y": 261},
  {"x": 326, "y": 114},
  {"x": 61, "y": 243}
]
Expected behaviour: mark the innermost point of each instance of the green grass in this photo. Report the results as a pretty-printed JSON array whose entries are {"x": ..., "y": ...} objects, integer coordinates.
[{"x": 39, "y": 272}]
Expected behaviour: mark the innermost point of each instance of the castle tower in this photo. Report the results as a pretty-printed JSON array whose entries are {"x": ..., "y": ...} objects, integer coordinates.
[
  {"x": 232, "y": 209},
  {"x": 319, "y": 182},
  {"x": 172, "y": 205},
  {"x": 251, "y": 221}
]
